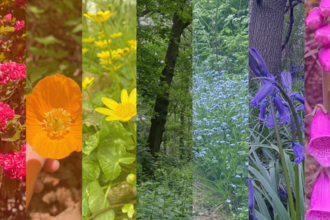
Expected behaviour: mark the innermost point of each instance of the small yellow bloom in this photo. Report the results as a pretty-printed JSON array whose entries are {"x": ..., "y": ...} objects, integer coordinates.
[
  {"x": 123, "y": 111},
  {"x": 116, "y": 35},
  {"x": 125, "y": 51},
  {"x": 87, "y": 83},
  {"x": 115, "y": 54},
  {"x": 88, "y": 39},
  {"x": 132, "y": 43},
  {"x": 102, "y": 44},
  {"x": 104, "y": 55},
  {"x": 100, "y": 16},
  {"x": 105, "y": 61},
  {"x": 84, "y": 50}
]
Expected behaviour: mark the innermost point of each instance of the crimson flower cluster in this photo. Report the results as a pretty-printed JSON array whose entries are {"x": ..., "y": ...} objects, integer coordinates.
[
  {"x": 14, "y": 164},
  {"x": 12, "y": 71},
  {"x": 20, "y": 3},
  {"x": 6, "y": 113}
]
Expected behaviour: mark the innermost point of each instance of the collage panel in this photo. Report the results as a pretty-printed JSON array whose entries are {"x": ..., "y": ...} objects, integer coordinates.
[
  {"x": 220, "y": 109},
  {"x": 12, "y": 110},
  {"x": 109, "y": 110},
  {"x": 164, "y": 149},
  {"x": 276, "y": 91},
  {"x": 317, "y": 107},
  {"x": 54, "y": 110}
]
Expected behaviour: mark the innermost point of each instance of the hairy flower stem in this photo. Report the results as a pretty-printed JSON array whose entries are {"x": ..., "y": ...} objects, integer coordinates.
[
  {"x": 111, "y": 61},
  {"x": 90, "y": 60},
  {"x": 90, "y": 99},
  {"x": 285, "y": 169},
  {"x": 131, "y": 126}
]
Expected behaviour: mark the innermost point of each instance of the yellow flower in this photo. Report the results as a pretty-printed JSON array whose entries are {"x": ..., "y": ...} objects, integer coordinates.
[
  {"x": 100, "y": 16},
  {"x": 123, "y": 111},
  {"x": 116, "y": 35},
  {"x": 102, "y": 44},
  {"x": 115, "y": 54},
  {"x": 88, "y": 40},
  {"x": 104, "y": 55},
  {"x": 124, "y": 51},
  {"x": 87, "y": 83},
  {"x": 84, "y": 50},
  {"x": 133, "y": 44},
  {"x": 104, "y": 61}
]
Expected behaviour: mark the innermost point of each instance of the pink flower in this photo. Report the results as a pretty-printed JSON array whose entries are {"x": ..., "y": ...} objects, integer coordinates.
[
  {"x": 324, "y": 57},
  {"x": 14, "y": 164},
  {"x": 19, "y": 25},
  {"x": 20, "y": 3},
  {"x": 322, "y": 35},
  {"x": 8, "y": 17},
  {"x": 325, "y": 8},
  {"x": 314, "y": 20}
]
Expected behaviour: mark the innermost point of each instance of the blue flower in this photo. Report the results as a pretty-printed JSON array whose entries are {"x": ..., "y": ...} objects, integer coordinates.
[
  {"x": 286, "y": 81},
  {"x": 282, "y": 191},
  {"x": 257, "y": 64},
  {"x": 299, "y": 151},
  {"x": 300, "y": 98},
  {"x": 228, "y": 201},
  {"x": 263, "y": 106},
  {"x": 262, "y": 93},
  {"x": 270, "y": 123},
  {"x": 283, "y": 111}
]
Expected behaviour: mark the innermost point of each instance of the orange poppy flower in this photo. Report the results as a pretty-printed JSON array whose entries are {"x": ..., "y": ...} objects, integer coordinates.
[{"x": 54, "y": 117}]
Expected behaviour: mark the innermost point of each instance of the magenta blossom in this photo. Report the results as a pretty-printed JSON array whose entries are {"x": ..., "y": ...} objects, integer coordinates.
[
  {"x": 19, "y": 25},
  {"x": 324, "y": 57},
  {"x": 322, "y": 34},
  {"x": 314, "y": 20},
  {"x": 325, "y": 8},
  {"x": 7, "y": 17}
]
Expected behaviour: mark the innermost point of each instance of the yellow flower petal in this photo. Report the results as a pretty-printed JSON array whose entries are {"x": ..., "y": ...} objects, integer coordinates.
[
  {"x": 112, "y": 118},
  {"x": 105, "y": 111},
  {"x": 132, "y": 97},
  {"x": 124, "y": 96},
  {"x": 110, "y": 103}
]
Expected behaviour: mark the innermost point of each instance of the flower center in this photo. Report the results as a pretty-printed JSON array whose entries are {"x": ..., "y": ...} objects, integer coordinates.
[
  {"x": 57, "y": 122},
  {"x": 125, "y": 110}
]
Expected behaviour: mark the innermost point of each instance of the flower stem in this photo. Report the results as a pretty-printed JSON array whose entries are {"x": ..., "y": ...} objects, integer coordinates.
[
  {"x": 285, "y": 169},
  {"x": 90, "y": 60},
  {"x": 111, "y": 61},
  {"x": 131, "y": 69},
  {"x": 131, "y": 126},
  {"x": 90, "y": 99},
  {"x": 296, "y": 171}
]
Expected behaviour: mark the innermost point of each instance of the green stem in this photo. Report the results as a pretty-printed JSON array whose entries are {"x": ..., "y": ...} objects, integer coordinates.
[
  {"x": 296, "y": 170},
  {"x": 131, "y": 126},
  {"x": 111, "y": 61},
  {"x": 133, "y": 75},
  {"x": 90, "y": 60},
  {"x": 285, "y": 169},
  {"x": 90, "y": 99},
  {"x": 105, "y": 196}
]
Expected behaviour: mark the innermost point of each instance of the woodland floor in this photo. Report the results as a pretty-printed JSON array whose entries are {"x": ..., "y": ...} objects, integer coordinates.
[{"x": 61, "y": 197}]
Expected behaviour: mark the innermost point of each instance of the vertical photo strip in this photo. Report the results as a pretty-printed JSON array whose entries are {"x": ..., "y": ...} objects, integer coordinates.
[
  {"x": 54, "y": 110},
  {"x": 109, "y": 110},
  {"x": 276, "y": 91},
  {"x": 220, "y": 109},
  {"x": 317, "y": 107},
  {"x": 164, "y": 150},
  {"x": 12, "y": 110}
]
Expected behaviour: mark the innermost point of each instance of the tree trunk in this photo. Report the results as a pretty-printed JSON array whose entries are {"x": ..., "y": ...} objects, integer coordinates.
[
  {"x": 266, "y": 31},
  {"x": 162, "y": 101}
]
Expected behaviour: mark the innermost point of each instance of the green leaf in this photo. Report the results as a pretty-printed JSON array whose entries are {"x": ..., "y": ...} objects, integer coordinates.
[
  {"x": 90, "y": 169},
  {"x": 48, "y": 40},
  {"x": 129, "y": 209},
  {"x": 97, "y": 201},
  {"x": 91, "y": 143}
]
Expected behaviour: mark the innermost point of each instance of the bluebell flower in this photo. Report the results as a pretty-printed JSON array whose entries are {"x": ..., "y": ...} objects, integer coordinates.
[
  {"x": 270, "y": 123},
  {"x": 264, "y": 91},
  {"x": 257, "y": 64},
  {"x": 283, "y": 111},
  {"x": 263, "y": 106},
  {"x": 282, "y": 191},
  {"x": 299, "y": 151},
  {"x": 286, "y": 81},
  {"x": 300, "y": 98},
  {"x": 302, "y": 125}
]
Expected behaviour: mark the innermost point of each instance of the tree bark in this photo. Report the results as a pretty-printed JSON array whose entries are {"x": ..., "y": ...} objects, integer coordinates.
[
  {"x": 162, "y": 101},
  {"x": 266, "y": 31}
]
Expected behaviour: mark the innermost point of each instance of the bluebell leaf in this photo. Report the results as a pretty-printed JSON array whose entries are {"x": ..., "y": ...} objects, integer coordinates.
[
  {"x": 299, "y": 151},
  {"x": 286, "y": 81},
  {"x": 283, "y": 111},
  {"x": 300, "y": 98},
  {"x": 264, "y": 91},
  {"x": 251, "y": 197},
  {"x": 257, "y": 64}
]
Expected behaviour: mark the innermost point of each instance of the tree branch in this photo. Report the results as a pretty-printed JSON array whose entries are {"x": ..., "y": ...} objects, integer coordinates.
[
  {"x": 293, "y": 5},
  {"x": 288, "y": 34}
]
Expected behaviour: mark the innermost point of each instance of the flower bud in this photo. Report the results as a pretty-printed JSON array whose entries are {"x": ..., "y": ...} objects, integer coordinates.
[
  {"x": 257, "y": 64},
  {"x": 325, "y": 8},
  {"x": 322, "y": 34},
  {"x": 324, "y": 57},
  {"x": 314, "y": 20}
]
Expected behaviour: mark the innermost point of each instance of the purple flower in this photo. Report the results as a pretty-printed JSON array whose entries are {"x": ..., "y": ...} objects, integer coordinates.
[
  {"x": 257, "y": 64},
  {"x": 283, "y": 111},
  {"x": 282, "y": 191},
  {"x": 300, "y": 98},
  {"x": 270, "y": 123},
  {"x": 286, "y": 81},
  {"x": 302, "y": 125},
  {"x": 262, "y": 93},
  {"x": 299, "y": 151},
  {"x": 263, "y": 106}
]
